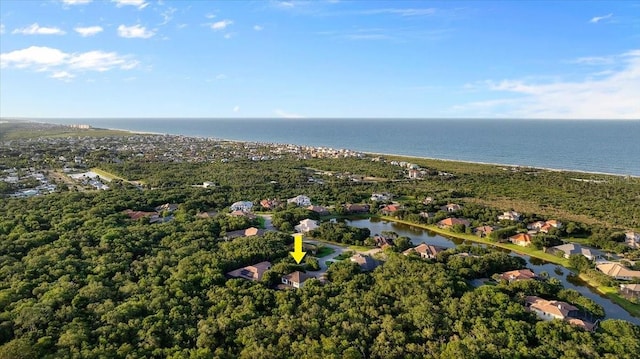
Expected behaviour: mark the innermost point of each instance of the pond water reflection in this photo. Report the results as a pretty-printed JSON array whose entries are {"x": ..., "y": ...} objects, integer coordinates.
[{"x": 419, "y": 235}]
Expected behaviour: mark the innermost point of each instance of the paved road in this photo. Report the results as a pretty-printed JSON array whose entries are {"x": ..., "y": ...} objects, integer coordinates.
[{"x": 338, "y": 250}]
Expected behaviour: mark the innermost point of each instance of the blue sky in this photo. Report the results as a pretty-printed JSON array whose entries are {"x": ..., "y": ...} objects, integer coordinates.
[{"x": 149, "y": 58}]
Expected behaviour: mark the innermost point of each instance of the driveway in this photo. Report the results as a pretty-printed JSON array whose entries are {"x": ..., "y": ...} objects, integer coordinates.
[{"x": 338, "y": 250}]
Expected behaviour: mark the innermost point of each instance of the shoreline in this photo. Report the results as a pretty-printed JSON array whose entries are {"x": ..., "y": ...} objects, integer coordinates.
[{"x": 519, "y": 166}]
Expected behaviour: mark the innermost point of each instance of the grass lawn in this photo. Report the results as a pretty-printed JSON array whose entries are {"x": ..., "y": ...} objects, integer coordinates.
[
  {"x": 473, "y": 238},
  {"x": 612, "y": 293},
  {"x": 344, "y": 255},
  {"x": 107, "y": 175},
  {"x": 324, "y": 251},
  {"x": 359, "y": 248}
]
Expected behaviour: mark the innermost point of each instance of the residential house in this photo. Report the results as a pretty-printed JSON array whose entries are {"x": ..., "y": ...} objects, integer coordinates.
[
  {"x": 135, "y": 215},
  {"x": 381, "y": 197},
  {"x": 366, "y": 263},
  {"x": 618, "y": 271},
  {"x": 427, "y": 200},
  {"x": 426, "y": 215},
  {"x": 253, "y": 272},
  {"x": 632, "y": 239},
  {"x": 247, "y": 215},
  {"x": 244, "y": 206},
  {"x": 569, "y": 249},
  {"x": 357, "y": 208},
  {"x": 207, "y": 184},
  {"x": 169, "y": 207},
  {"x": 544, "y": 226},
  {"x": 251, "y": 231},
  {"x": 451, "y": 207},
  {"x": 295, "y": 279},
  {"x": 383, "y": 242},
  {"x": 306, "y": 225},
  {"x": 269, "y": 203},
  {"x": 554, "y": 309},
  {"x": 319, "y": 210},
  {"x": 483, "y": 231},
  {"x": 519, "y": 274},
  {"x": 550, "y": 309},
  {"x": 450, "y": 222},
  {"x": 630, "y": 290},
  {"x": 425, "y": 251},
  {"x": 509, "y": 216},
  {"x": 390, "y": 209},
  {"x": 415, "y": 174},
  {"x": 521, "y": 239},
  {"x": 300, "y": 201}
]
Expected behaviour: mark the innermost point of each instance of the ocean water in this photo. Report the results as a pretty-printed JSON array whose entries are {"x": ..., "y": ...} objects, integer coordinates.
[{"x": 592, "y": 146}]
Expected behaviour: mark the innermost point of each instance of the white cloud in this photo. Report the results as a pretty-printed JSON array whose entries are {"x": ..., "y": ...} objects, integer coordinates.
[
  {"x": 62, "y": 75},
  {"x": 88, "y": 31},
  {"x": 63, "y": 65},
  {"x": 614, "y": 95},
  {"x": 167, "y": 15},
  {"x": 236, "y": 109},
  {"x": 35, "y": 29},
  {"x": 210, "y": 16},
  {"x": 1, "y": 28},
  {"x": 75, "y": 2},
  {"x": 228, "y": 36},
  {"x": 140, "y": 4},
  {"x": 134, "y": 31},
  {"x": 221, "y": 25},
  {"x": 258, "y": 27},
  {"x": 284, "y": 114},
  {"x": 597, "y": 19}
]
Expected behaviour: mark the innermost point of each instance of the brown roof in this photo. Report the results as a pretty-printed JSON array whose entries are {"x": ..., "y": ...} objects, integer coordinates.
[
  {"x": 139, "y": 214},
  {"x": 427, "y": 249},
  {"x": 617, "y": 270},
  {"x": 296, "y": 277},
  {"x": 253, "y": 272},
  {"x": 450, "y": 222},
  {"x": 518, "y": 274},
  {"x": 554, "y": 307},
  {"x": 521, "y": 237}
]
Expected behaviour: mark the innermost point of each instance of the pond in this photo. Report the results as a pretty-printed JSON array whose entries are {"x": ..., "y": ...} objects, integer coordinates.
[{"x": 419, "y": 235}]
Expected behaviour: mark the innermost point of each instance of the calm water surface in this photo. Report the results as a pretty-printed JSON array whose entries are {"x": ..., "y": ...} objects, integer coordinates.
[{"x": 418, "y": 235}]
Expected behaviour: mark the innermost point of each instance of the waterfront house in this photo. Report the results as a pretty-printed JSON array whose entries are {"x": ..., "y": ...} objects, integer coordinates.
[
  {"x": 483, "y": 231},
  {"x": 569, "y": 249},
  {"x": 306, "y": 225},
  {"x": 252, "y": 272},
  {"x": 357, "y": 208},
  {"x": 519, "y": 274},
  {"x": 295, "y": 279},
  {"x": 322, "y": 211},
  {"x": 630, "y": 290},
  {"x": 632, "y": 239},
  {"x": 390, "y": 209},
  {"x": 447, "y": 223},
  {"x": 425, "y": 251},
  {"x": 521, "y": 239},
  {"x": 555, "y": 309},
  {"x": 618, "y": 271}
]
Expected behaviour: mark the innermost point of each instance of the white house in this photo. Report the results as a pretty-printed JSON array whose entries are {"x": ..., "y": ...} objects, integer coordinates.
[
  {"x": 381, "y": 197},
  {"x": 632, "y": 239},
  {"x": 300, "y": 201},
  {"x": 244, "y": 206},
  {"x": 306, "y": 225},
  {"x": 509, "y": 216},
  {"x": 295, "y": 279}
]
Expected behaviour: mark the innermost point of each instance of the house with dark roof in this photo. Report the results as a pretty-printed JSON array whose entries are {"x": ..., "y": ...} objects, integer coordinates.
[
  {"x": 366, "y": 263},
  {"x": 569, "y": 249},
  {"x": 252, "y": 272},
  {"x": 357, "y": 208}
]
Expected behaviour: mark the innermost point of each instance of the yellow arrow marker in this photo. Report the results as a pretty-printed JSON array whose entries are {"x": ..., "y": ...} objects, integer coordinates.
[{"x": 297, "y": 253}]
